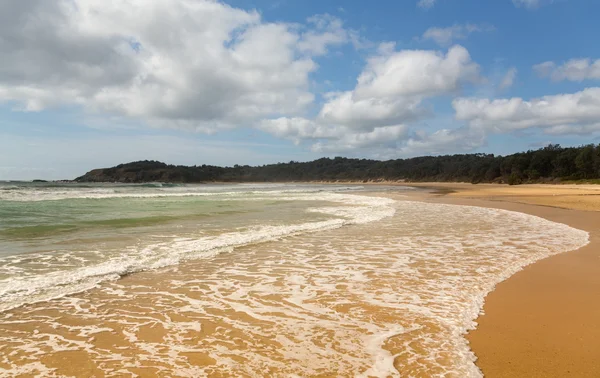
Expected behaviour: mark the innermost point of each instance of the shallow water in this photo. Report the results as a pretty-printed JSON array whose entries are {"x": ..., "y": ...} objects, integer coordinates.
[{"x": 281, "y": 281}]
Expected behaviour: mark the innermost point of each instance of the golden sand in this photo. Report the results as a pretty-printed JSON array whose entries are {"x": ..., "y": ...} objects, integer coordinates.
[
  {"x": 545, "y": 320},
  {"x": 574, "y": 197}
]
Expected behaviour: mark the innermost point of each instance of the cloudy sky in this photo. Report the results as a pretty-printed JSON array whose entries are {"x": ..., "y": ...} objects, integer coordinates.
[{"x": 94, "y": 83}]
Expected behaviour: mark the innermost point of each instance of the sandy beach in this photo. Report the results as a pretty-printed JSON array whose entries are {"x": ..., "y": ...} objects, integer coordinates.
[
  {"x": 543, "y": 321},
  {"x": 389, "y": 294}
]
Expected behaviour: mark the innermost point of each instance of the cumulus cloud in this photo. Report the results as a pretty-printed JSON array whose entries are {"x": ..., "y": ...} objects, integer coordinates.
[
  {"x": 389, "y": 94},
  {"x": 206, "y": 66},
  {"x": 446, "y": 36},
  {"x": 416, "y": 73},
  {"x": 564, "y": 113},
  {"x": 572, "y": 70},
  {"x": 356, "y": 112},
  {"x": 195, "y": 64},
  {"x": 334, "y": 138}
]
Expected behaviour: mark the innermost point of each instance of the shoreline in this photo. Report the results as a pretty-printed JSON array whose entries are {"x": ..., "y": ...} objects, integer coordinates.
[{"x": 543, "y": 320}]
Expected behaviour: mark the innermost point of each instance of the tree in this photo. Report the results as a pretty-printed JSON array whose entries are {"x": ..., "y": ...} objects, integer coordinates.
[
  {"x": 585, "y": 162},
  {"x": 551, "y": 162}
]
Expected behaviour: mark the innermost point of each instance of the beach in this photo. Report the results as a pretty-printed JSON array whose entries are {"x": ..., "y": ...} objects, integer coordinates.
[
  {"x": 306, "y": 280},
  {"x": 299, "y": 189},
  {"x": 543, "y": 321}
]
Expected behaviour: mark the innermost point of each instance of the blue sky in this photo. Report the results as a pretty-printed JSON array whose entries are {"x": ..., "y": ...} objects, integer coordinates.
[{"x": 92, "y": 83}]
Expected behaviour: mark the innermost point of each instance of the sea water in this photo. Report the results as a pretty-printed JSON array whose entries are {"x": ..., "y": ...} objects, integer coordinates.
[{"x": 250, "y": 280}]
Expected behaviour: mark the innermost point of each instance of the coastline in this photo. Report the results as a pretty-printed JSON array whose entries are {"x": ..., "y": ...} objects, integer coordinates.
[
  {"x": 542, "y": 321},
  {"x": 526, "y": 332}
]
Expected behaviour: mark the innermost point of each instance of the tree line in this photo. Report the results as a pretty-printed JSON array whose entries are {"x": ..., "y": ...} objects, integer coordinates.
[{"x": 552, "y": 163}]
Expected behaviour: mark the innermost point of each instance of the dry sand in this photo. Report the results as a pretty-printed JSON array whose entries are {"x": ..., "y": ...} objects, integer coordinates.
[{"x": 545, "y": 320}]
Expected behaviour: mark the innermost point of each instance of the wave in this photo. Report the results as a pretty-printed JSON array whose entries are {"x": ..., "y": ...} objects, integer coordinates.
[
  {"x": 35, "y": 195},
  {"x": 18, "y": 291},
  {"x": 158, "y": 185}
]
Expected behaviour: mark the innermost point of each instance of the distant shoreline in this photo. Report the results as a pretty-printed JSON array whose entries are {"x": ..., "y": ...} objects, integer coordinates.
[
  {"x": 431, "y": 184},
  {"x": 550, "y": 164}
]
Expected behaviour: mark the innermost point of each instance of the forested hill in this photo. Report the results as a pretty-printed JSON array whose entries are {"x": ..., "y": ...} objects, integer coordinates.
[{"x": 551, "y": 163}]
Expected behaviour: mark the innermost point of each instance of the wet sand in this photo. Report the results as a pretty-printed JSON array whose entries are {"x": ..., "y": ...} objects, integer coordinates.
[{"x": 545, "y": 320}]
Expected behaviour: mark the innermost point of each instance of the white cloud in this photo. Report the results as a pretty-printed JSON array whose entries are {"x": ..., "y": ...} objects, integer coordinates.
[
  {"x": 299, "y": 129},
  {"x": 443, "y": 141},
  {"x": 509, "y": 79},
  {"x": 333, "y": 138},
  {"x": 416, "y": 73},
  {"x": 393, "y": 142},
  {"x": 573, "y": 129},
  {"x": 387, "y": 137},
  {"x": 328, "y": 31},
  {"x": 194, "y": 64},
  {"x": 390, "y": 93},
  {"x": 203, "y": 65},
  {"x": 349, "y": 109},
  {"x": 446, "y": 36},
  {"x": 572, "y": 70},
  {"x": 563, "y": 113},
  {"x": 426, "y": 4}
]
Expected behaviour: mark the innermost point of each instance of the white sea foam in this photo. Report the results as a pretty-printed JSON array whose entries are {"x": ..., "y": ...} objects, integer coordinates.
[
  {"x": 20, "y": 289},
  {"x": 30, "y": 194}
]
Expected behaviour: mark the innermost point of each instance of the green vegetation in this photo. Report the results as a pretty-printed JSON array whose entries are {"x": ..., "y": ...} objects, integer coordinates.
[{"x": 549, "y": 164}]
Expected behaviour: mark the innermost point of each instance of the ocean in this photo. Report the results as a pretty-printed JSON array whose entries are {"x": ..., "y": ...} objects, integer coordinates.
[{"x": 250, "y": 280}]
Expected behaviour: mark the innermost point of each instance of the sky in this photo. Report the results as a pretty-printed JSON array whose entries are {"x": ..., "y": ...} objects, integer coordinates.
[{"x": 94, "y": 83}]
